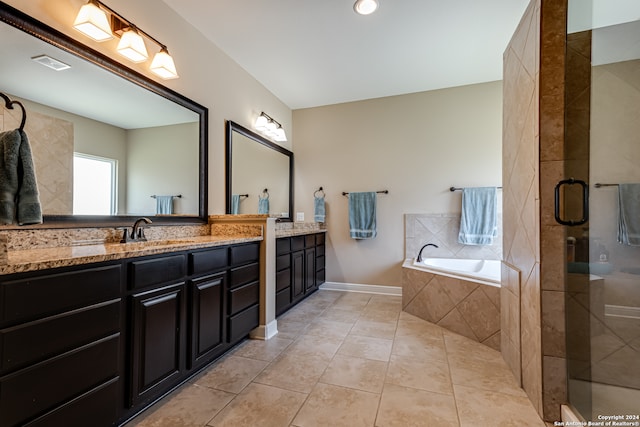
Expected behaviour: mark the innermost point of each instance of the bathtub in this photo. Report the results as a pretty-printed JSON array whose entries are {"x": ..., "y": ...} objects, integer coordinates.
[{"x": 486, "y": 272}]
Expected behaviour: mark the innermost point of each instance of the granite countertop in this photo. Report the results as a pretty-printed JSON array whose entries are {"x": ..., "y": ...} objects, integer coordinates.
[
  {"x": 39, "y": 259},
  {"x": 298, "y": 232}
]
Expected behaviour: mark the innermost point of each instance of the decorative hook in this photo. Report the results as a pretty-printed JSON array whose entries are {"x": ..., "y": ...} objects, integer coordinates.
[
  {"x": 319, "y": 190},
  {"x": 9, "y": 104}
]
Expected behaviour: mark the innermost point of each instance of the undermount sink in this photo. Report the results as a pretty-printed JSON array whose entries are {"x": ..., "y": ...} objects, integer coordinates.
[{"x": 150, "y": 243}]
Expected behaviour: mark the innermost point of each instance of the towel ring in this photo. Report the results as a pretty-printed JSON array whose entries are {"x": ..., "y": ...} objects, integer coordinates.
[
  {"x": 319, "y": 190},
  {"x": 265, "y": 196}
]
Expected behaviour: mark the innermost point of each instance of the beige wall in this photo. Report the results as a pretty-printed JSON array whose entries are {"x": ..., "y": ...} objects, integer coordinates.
[
  {"x": 147, "y": 148},
  {"x": 416, "y": 146},
  {"x": 207, "y": 75}
]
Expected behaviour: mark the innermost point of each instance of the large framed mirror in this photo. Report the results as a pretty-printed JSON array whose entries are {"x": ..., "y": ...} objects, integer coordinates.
[
  {"x": 255, "y": 164},
  {"x": 149, "y": 142}
]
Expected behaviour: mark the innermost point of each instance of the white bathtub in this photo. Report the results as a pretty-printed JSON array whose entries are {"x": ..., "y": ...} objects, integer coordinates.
[{"x": 486, "y": 272}]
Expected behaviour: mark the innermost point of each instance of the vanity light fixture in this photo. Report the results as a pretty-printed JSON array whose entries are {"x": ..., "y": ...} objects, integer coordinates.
[
  {"x": 271, "y": 128},
  {"x": 132, "y": 46},
  {"x": 100, "y": 22},
  {"x": 365, "y": 7}
]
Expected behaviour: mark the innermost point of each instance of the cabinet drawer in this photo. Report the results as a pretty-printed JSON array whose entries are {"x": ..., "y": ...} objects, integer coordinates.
[
  {"x": 320, "y": 262},
  {"x": 241, "y": 275},
  {"x": 297, "y": 243},
  {"x": 245, "y": 253},
  {"x": 29, "y": 392},
  {"x": 30, "y": 298},
  {"x": 319, "y": 250},
  {"x": 156, "y": 271},
  {"x": 208, "y": 261},
  {"x": 320, "y": 239},
  {"x": 36, "y": 341},
  {"x": 283, "y": 245},
  {"x": 244, "y": 296},
  {"x": 242, "y": 323},
  {"x": 95, "y": 408},
  {"x": 309, "y": 240},
  {"x": 283, "y": 279},
  {"x": 283, "y": 261},
  {"x": 283, "y": 299}
]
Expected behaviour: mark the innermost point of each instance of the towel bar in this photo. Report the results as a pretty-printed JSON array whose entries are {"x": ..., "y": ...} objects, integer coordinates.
[
  {"x": 178, "y": 196},
  {"x": 344, "y": 193},
  {"x": 462, "y": 188}
]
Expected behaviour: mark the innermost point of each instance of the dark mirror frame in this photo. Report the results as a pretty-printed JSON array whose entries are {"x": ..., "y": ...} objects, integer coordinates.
[
  {"x": 231, "y": 127},
  {"x": 35, "y": 28}
]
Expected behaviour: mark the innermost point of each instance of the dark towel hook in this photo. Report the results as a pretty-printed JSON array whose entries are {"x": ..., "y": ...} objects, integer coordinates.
[
  {"x": 265, "y": 193},
  {"x": 9, "y": 104},
  {"x": 319, "y": 190}
]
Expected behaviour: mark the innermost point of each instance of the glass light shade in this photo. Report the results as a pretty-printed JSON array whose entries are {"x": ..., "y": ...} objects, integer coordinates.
[
  {"x": 271, "y": 127},
  {"x": 163, "y": 66},
  {"x": 261, "y": 123},
  {"x": 365, "y": 7},
  {"x": 132, "y": 46},
  {"x": 92, "y": 21},
  {"x": 280, "y": 135}
]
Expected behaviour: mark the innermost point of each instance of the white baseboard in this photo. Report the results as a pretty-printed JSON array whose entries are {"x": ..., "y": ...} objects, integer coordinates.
[
  {"x": 366, "y": 289},
  {"x": 265, "y": 332},
  {"x": 622, "y": 311}
]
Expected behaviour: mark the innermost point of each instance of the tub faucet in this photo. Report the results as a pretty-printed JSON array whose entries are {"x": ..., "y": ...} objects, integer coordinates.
[
  {"x": 419, "y": 259},
  {"x": 137, "y": 231}
]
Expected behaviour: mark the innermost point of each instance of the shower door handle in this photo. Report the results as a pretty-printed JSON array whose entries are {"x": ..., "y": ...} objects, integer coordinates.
[{"x": 585, "y": 202}]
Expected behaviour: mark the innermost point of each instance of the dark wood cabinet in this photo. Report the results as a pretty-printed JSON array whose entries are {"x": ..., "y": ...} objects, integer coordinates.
[
  {"x": 60, "y": 341},
  {"x": 96, "y": 344},
  {"x": 158, "y": 342},
  {"x": 300, "y": 268}
]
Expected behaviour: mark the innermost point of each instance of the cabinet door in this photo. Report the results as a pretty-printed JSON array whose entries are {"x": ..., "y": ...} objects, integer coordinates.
[
  {"x": 206, "y": 319},
  {"x": 297, "y": 274},
  {"x": 158, "y": 346},
  {"x": 309, "y": 270}
]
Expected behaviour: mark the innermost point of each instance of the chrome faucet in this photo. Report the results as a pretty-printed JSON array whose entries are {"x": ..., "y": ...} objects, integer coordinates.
[
  {"x": 419, "y": 259},
  {"x": 137, "y": 231}
]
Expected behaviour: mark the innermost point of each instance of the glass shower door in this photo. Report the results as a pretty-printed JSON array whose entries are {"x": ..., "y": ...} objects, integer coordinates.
[{"x": 602, "y": 148}]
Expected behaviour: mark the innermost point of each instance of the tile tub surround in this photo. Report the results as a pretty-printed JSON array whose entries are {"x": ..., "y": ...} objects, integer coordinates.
[
  {"x": 443, "y": 229},
  {"x": 350, "y": 359},
  {"x": 467, "y": 308}
]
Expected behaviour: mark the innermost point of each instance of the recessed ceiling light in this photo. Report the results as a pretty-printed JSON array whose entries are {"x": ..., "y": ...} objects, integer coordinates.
[
  {"x": 365, "y": 7},
  {"x": 50, "y": 62}
]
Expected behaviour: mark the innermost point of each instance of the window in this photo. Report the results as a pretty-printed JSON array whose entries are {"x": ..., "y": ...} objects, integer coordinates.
[{"x": 94, "y": 185}]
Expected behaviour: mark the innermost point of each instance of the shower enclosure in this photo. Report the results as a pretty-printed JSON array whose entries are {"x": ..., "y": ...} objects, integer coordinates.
[{"x": 602, "y": 150}]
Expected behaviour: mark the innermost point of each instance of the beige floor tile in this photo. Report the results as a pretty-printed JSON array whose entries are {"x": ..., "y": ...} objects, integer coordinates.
[
  {"x": 191, "y": 406},
  {"x": 260, "y": 405},
  {"x": 408, "y": 407},
  {"x": 492, "y": 375},
  {"x": 262, "y": 349},
  {"x": 368, "y": 328},
  {"x": 423, "y": 374},
  {"x": 310, "y": 345},
  {"x": 366, "y": 347},
  {"x": 232, "y": 374},
  {"x": 340, "y": 315},
  {"x": 457, "y": 344},
  {"x": 294, "y": 372},
  {"x": 374, "y": 315},
  {"x": 330, "y": 405},
  {"x": 410, "y": 325},
  {"x": 355, "y": 372},
  {"x": 290, "y": 329},
  {"x": 424, "y": 347},
  {"x": 328, "y": 328},
  {"x": 488, "y": 408}
]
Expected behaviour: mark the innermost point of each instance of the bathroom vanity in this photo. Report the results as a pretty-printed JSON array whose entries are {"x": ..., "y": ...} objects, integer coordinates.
[{"x": 96, "y": 342}]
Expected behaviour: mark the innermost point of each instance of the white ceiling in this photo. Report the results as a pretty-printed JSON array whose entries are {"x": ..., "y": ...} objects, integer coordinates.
[{"x": 311, "y": 53}]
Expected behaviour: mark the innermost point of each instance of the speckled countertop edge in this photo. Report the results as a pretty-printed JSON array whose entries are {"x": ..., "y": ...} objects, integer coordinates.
[
  {"x": 39, "y": 259},
  {"x": 298, "y": 232}
]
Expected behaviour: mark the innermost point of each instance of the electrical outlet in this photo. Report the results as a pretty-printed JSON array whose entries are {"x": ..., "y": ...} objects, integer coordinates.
[{"x": 299, "y": 216}]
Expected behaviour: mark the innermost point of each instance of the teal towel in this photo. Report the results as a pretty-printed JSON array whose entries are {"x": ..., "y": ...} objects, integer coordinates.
[
  {"x": 263, "y": 205},
  {"x": 164, "y": 205},
  {"x": 478, "y": 223},
  {"x": 629, "y": 214},
  {"x": 318, "y": 209},
  {"x": 362, "y": 215},
  {"x": 19, "y": 200},
  {"x": 235, "y": 204}
]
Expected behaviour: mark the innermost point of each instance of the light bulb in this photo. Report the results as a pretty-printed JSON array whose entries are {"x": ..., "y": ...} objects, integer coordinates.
[{"x": 365, "y": 7}]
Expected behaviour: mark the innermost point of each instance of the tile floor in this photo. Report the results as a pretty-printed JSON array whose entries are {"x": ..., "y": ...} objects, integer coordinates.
[{"x": 350, "y": 359}]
